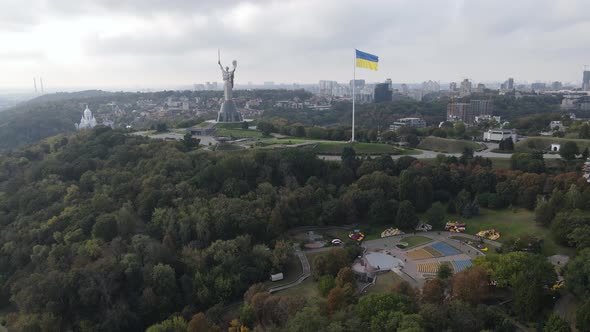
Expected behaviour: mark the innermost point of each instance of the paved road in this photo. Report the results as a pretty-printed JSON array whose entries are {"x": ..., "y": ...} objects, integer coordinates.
[{"x": 425, "y": 154}]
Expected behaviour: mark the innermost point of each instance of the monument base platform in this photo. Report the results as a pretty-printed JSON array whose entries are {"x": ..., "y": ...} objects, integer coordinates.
[{"x": 229, "y": 112}]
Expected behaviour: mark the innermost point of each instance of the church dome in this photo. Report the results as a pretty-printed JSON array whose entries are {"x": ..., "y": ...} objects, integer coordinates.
[{"x": 87, "y": 113}]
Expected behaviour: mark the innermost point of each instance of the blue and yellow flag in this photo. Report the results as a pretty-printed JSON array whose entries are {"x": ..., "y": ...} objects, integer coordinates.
[{"x": 366, "y": 60}]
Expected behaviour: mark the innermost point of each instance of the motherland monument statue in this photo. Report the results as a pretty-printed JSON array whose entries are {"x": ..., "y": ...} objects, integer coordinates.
[{"x": 228, "y": 111}]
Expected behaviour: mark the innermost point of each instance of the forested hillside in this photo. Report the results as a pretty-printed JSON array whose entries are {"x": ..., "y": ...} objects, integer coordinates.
[{"x": 101, "y": 231}]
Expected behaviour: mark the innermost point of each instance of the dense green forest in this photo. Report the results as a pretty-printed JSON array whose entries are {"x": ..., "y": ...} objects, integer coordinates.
[{"x": 102, "y": 231}]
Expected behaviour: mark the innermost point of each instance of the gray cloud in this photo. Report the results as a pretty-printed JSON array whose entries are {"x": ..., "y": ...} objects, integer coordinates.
[{"x": 308, "y": 40}]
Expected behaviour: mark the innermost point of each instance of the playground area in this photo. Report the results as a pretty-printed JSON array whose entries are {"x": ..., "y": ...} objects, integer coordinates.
[{"x": 417, "y": 263}]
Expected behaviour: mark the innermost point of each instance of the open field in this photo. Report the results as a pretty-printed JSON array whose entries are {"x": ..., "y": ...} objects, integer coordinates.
[
  {"x": 384, "y": 283},
  {"x": 544, "y": 143},
  {"x": 233, "y": 125},
  {"x": 416, "y": 240},
  {"x": 241, "y": 133},
  {"x": 336, "y": 148},
  {"x": 513, "y": 223},
  {"x": 228, "y": 147},
  {"x": 447, "y": 145}
]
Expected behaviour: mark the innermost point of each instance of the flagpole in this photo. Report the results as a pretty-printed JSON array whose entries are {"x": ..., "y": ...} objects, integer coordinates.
[{"x": 353, "y": 93}]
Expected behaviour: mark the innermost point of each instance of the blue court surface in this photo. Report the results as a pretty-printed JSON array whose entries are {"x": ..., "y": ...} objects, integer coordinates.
[
  {"x": 445, "y": 249},
  {"x": 461, "y": 265}
]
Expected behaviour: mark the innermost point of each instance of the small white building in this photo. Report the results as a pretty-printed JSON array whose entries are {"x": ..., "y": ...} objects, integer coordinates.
[
  {"x": 496, "y": 135},
  {"x": 556, "y": 125},
  {"x": 276, "y": 277}
]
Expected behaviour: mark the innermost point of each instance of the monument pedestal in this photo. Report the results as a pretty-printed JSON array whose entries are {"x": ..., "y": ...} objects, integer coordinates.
[{"x": 229, "y": 112}]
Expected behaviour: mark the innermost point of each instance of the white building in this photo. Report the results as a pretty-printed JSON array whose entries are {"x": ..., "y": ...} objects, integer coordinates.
[
  {"x": 87, "y": 121},
  {"x": 408, "y": 122},
  {"x": 496, "y": 135}
]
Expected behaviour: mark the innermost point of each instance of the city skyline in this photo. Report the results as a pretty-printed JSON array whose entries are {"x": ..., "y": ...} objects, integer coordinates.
[{"x": 156, "y": 43}]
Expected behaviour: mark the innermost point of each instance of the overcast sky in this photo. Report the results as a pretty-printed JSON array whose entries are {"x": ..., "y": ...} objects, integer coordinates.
[{"x": 167, "y": 43}]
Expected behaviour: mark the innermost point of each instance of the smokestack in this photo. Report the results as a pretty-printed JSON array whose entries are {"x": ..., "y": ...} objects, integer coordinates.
[
  {"x": 35, "y": 84},
  {"x": 41, "y": 81}
]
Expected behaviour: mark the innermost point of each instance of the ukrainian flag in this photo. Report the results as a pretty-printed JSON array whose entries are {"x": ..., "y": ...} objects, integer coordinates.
[{"x": 366, "y": 60}]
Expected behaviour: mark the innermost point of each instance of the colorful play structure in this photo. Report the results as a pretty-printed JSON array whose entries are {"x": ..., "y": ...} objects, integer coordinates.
[
  {"x": 490, "y": 234},
  {"x": 391, "y": 232},
  {"x": 357, "y": 235},
  {"x": 455, "y": 226}
]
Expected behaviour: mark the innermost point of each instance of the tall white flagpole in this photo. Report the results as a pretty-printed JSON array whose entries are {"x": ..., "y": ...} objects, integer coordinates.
[{"x": 353, "y": 92}]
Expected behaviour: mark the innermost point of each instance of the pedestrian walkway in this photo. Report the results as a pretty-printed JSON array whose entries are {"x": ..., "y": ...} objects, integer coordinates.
[{"x": 305, "y": 268}]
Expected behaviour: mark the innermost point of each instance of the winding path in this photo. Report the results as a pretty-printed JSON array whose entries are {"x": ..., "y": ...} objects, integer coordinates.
[{"x": 305, "y": 268}]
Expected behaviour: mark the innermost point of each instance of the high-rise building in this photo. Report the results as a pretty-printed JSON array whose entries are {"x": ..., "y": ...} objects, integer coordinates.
[
  {"x": 586, "y": 80},
  {"x": 358, "y": 84},
  {"x": 453, "y": 86},
  {"x": 430, "y": 86},
  {"x": 327, "y": 88},
  {"x": 466, "y": 112},
  {"x": 389, "y": 83},
  {"x": 481, "y": 107},
  {"x": 382, "y": 93},
  {"x": 481, "y": 87},
  {"x": 555, "y": 86},
  {"x": 510, "y": 84},
  {"x": 538, "y": 86},
  {"x": 405, "y": 89},
  {"x": 465, "y": 88},
  {"x": 460, "y": 112}
]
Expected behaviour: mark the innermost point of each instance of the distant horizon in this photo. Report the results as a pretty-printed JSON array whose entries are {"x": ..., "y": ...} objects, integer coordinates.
[
  {"x": 155, "y": 44},
  {"x": 245, "y": 86}
]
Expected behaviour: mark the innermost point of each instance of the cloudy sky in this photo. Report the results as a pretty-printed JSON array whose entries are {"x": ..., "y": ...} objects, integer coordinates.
[{"x": 167, "y": 43}]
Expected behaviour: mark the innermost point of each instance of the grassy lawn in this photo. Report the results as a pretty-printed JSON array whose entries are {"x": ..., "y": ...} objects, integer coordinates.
[
  {"x": 500, "y": 163},
  {"x": 544, "y": 143},
  {"x": 384, "y": 283},
  {"x": 228, "y": 147},
  {"x": 234, "y": 125},
  {"x": 513, "y": 223},
  {"x": 447, "y": 145},
  {"x": 335, "y": 148},
  {"x": 308, "y": 289},
  {"x": 415, "y": 240},
  {"x": 241, "y": 133}
]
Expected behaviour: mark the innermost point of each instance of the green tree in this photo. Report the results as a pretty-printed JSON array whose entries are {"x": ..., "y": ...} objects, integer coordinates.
[
  {"x": 161, "y": 127},
  {"x": 345, "y": 276},
  {"x": 435, "y": 216},
  {"x": 325, "y": 284},
  {"x": 583, "y": 316},
  {"x": 577, "y": 274},
  {"x": 190, "y": 142},
  {"x": 307, "y": 320},
  {"x": 105, "y": 227},
  {"x": 584, "y": 131},
  {"x": 406, "y": 216},
  {"x": 544, "y": 212},
  {"x": 444, "y": 272},
  {"x": 174, "y": 324},
  {"x": 349, "y": 157},
  {"x": 569, "y": 150},
  {"x": 556, "y": 324}
]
